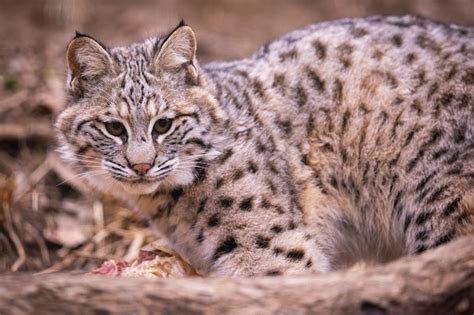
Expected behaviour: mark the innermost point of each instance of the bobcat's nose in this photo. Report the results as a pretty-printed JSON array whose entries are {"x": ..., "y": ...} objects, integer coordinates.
[{"x": 141, "y": 168}]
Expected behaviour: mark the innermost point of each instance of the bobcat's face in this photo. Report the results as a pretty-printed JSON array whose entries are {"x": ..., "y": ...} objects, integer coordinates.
[{"x": 139, "y": 119}]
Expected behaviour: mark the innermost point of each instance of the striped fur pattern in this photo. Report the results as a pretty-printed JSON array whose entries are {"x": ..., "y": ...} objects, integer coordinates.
[{"x": 340, "y": 142}]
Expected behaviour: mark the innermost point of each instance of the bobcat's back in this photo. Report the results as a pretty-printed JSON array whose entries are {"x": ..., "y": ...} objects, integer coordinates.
[{"x": 377, "y": 119}]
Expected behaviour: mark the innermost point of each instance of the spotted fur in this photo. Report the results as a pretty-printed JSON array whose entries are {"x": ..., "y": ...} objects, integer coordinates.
[{"x": 340, "y": 142}]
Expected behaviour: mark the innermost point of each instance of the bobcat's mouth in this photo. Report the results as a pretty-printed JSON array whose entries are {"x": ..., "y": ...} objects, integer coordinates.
[{"x": 140, "y": 187}]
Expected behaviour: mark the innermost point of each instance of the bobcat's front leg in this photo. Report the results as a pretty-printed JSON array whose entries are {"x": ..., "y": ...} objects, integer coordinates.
[{"x": 258, "y": 252}]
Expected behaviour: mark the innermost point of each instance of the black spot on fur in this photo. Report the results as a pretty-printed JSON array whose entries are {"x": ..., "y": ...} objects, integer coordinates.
[
  {"x": 344, "y": 54},
  {"x": 200, "y": 236},
  {"x": 396, "y": 203},
  {"x": 413, "y": 162},
  {"x": 271, "y": 166},
  {"x": 410, "y": 136},
  {"x": 452, "y": 158},
  {"x": 260, "y": 146},
  {"x": 238, "y": 174},
  {"x": 423, "y": 217},
  {"x": 291, "y": 225},
  {"x": 459, "y": 134},
  {"x": 337, "y": 92},
  {"x": 432, "y": 90},
  {"x": 359, "y": 32},
  {"x": 291, "y": 54},
  {"x": 463, "y": 218},
  {"x": 273, "y": 273},
  {"x": 451, "y": 207},
  {"x": 452, "y": 72},
  {"x": 416, "y": 107},
  {"x": 301, "y": 96},
  {"x": 327, "y": 147},
  {"x": 225, "y": 156},
  {"x": 345, "y": 119},
  {"x": 285, "y": 126},
  {"x": 410, "y": 58},
  {"x": 258, "y": 89},
  {"x": 262, "y": 242},
  {"x": 226, "y": 202},
  {"x": 295, "y": 254},
  {"x": 219, "y": 182},
  {"x": 422, "y": 236},
  {"x": 214, "y": 220},
  {"x": 226, "y": 247},
  {"x": 468, "y": 77},
  {"x": 445, "y": 238},
  {"x": 278, "y": 251},
  {"x": 264, "y": 203},
  {"x": 319, "y": 49},
  {"x": 421, "y": 185},
  {"x": 276, "y": 229},
  {"x": 246, "y": 204},
  {"x": 407, "y": 223},
  {"x": 197, "y": 141},
  {"x": 279, "y": 209},
  {"x": 436, "y": 134},
  {"x": 252, "y": 167},
  {"x": 437, "y": 154},
  {"x": 397, "y": 40},
  {"x": 455, "y": 171},
  {"x": 420, "y": 249},
  {"x": 315, "y": 80},
  {"x": 201, "y": 206},
  {"x": 309, "y": 263},
  {"x": 304, "y": 159},
  {"x": 427, "y": 43},
  {"x": 436, "y": 195},
  {"x": 176, "y": 193}
]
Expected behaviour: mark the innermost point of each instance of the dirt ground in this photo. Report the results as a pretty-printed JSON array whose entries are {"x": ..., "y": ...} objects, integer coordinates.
[{"x": 50, "y": 220}]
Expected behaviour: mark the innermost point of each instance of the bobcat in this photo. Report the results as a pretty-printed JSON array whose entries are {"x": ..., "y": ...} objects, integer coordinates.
[{"x": 340, "y": 142}]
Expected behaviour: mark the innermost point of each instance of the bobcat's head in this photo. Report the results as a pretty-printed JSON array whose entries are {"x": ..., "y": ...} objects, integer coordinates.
[{"x": 139, "y": 118}]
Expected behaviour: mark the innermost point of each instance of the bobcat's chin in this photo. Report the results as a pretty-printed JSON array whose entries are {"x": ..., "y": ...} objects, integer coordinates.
[{"x": 137, "y": 188}]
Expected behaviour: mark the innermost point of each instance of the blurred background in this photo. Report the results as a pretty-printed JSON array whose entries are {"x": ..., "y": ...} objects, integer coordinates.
[{"x": 50, "y": 220}]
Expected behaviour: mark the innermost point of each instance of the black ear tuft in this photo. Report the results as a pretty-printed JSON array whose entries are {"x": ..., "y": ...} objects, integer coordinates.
[
  {"x": 181, "y": 23},
  {"x": 160, "y": 42},
  {"x": 177, "y": 49},
  {"x": 78, "y": 34}
]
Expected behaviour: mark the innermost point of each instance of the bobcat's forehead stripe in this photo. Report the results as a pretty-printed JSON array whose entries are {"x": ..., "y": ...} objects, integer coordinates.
[
  {"x": 341, "y": 141},
  {"x": 123, "y": 110}
]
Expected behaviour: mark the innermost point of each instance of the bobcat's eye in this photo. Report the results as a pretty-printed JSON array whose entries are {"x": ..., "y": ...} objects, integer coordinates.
[
  {"x": 162, "y": 125},
  {"x": 115, "y": 128}
]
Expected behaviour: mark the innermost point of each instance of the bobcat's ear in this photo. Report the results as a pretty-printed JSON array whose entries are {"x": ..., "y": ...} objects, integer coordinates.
[
  {"x": 179, "y": 50},
  {"x": 87, "y": 61}
]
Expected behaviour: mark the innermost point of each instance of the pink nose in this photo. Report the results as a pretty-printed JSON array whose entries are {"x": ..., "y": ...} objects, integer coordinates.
[{"x": 141, "y": 168}]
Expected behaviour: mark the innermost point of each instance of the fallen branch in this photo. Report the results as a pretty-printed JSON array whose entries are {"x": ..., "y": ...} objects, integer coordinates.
[
  {"x": 26, "y": 131},
  {"x": 440, "y": 281}
]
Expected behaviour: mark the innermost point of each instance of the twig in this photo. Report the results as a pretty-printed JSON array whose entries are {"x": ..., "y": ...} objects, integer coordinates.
[
  {"x": 41, "y": 243},
  {"x": 39, "y": 173},
  {"x": 26, "y": 131},
  {"x": 13, "y": 101},
  {"x": 15, "y": 239},
  {"x": 134, "y": 248},
  {"x": 66, "y": 174}
]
